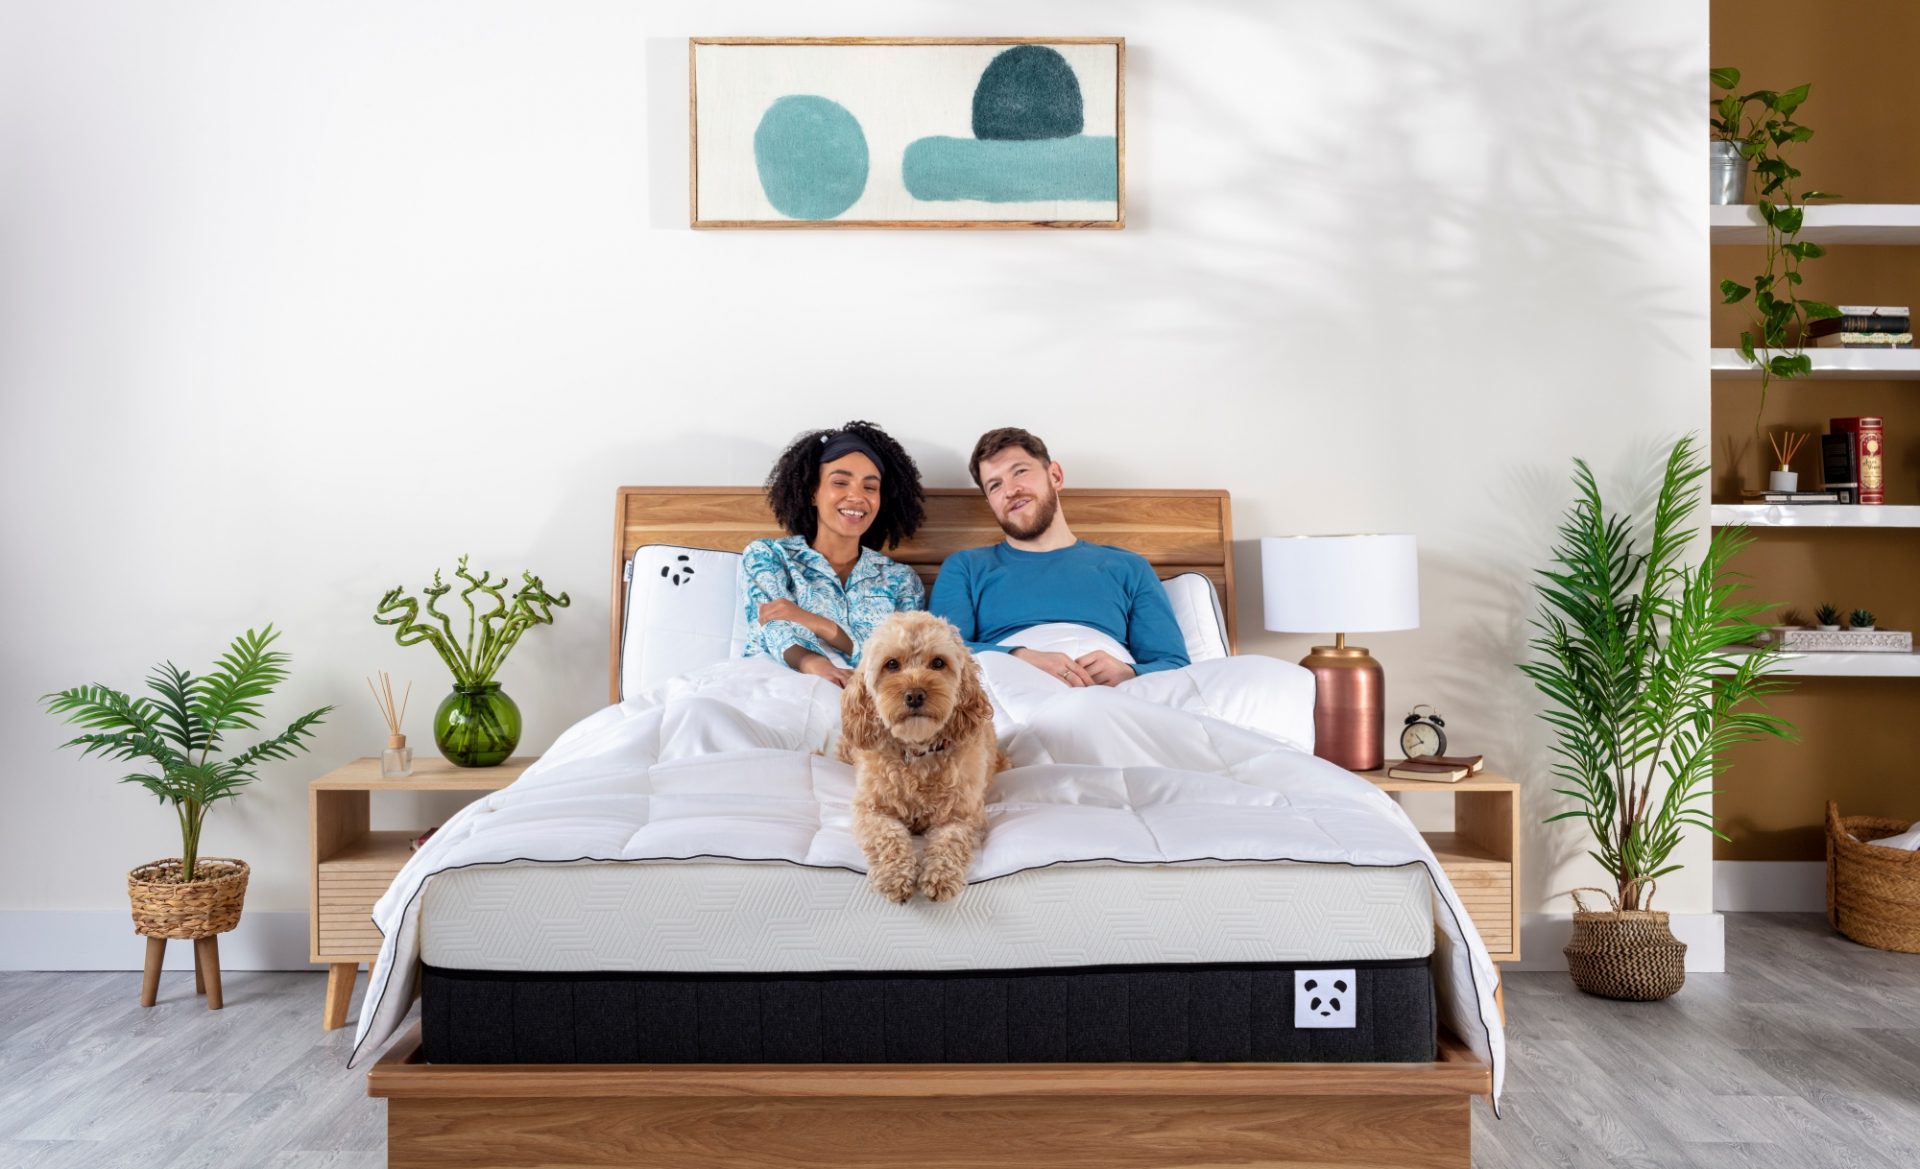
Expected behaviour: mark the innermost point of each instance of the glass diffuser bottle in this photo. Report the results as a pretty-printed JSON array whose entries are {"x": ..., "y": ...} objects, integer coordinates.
[{"x": 396, "y": 761}]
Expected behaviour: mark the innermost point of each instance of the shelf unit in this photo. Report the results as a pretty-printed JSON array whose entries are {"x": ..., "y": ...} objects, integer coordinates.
[
  {"x": 1846, "y": 365},
  {"x": 1815, "y": 515},
  {"x": 1897, "y": 224}
]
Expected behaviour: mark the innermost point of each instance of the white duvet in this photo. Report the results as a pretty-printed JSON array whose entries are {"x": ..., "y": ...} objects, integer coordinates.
[{"x": 1206, "y": 764}]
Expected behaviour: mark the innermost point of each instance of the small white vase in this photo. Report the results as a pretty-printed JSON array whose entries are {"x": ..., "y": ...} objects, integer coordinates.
[{"x": 1783, "y": 481}]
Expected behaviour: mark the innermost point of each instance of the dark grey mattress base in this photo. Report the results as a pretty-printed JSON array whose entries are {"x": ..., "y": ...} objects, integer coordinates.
[{"x": 1171, "y": 1013}]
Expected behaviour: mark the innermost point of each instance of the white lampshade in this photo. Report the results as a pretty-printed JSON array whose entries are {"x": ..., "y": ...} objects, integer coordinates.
[{"x": 1339, "y": 584}]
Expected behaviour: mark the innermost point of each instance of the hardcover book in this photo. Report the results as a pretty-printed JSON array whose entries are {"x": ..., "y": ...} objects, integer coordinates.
[
  {"x": 1868, "y": 436},
  {"x": 1875, "y": 323},
  {"x": 1864, "y": 341},
  {"x": 1839, "y": 468}
]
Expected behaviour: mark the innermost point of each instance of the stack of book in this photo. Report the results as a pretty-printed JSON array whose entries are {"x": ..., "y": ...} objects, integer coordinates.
[
  {"x": 1438, "y": 768},
  {"x": 1864, "y": 326},
  {"x": 1823, "y": 496}
]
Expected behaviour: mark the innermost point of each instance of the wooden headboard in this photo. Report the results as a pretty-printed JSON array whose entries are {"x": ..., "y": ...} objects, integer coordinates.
[{"x": 1177, "y": 531}]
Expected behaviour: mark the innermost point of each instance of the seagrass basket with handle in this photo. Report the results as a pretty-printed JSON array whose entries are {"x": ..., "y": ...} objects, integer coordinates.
[
  {"x": 1626, "y": 954},
  {"x": 164, "y": 906},
  {"x": 1873, "y": 893}
]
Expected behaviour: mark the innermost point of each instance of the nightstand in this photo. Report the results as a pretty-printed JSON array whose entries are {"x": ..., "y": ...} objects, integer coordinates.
[
  {"x": 350, "y": 866},
  {"x": 1481, "y": 855}
]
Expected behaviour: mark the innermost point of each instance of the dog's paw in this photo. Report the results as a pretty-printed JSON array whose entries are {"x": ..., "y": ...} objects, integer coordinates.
[
  {"x": 942, "y": 886},
  {"x": 895, "y": 884}
]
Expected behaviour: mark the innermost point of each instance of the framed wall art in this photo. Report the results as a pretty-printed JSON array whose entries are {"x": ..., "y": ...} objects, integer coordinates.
[{"x": 996, "y": 132}]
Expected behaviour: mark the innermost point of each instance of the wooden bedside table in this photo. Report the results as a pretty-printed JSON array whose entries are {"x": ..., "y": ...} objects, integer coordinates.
[
  {"x": 1481, "y": 855},
  {"x": 349, "y": 866}
]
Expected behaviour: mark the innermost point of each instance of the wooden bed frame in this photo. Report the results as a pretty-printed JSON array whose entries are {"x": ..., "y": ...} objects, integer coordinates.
[{"x": 931, "y": 1116}]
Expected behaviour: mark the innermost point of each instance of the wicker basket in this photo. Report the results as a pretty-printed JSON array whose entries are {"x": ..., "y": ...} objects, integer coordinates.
[
  {"x": 1873, "y": 893},
  {"x": 1624, "y": 954},
  {"x": 164, "y": 907}
]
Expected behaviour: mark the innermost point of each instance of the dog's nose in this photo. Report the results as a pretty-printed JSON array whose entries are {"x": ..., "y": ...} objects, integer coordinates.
[{"x": 915, "y": 699}]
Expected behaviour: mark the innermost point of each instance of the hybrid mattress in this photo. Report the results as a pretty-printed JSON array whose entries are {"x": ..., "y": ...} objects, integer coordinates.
[{"x": 771, "y": 962}]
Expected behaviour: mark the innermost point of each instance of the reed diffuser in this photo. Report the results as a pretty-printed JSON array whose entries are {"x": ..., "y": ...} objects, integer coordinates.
[
  {"x": 1785, "y": 446},
  {"x": 397, "y": 760}
]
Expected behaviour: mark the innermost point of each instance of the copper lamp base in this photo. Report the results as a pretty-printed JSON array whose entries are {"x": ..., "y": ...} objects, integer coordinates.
[{"x": 1349, "y": 705}]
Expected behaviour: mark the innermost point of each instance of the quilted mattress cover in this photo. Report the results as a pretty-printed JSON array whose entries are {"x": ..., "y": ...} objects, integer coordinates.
[{"x": 714, "y": 916}]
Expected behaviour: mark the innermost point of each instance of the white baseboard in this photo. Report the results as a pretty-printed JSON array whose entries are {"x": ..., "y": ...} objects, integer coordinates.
[
  {"x": 81, "y": 939},
  {"x": 1770, "y": 886},
  {"x": 1544, "y": 935}
]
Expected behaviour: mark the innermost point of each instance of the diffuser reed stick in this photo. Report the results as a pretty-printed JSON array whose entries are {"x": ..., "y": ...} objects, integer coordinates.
[
  {"x": 397, "y": 759},
  {"x": 1784, "y": 448}
]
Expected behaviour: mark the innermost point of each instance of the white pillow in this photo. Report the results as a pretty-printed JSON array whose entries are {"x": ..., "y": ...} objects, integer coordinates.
[{"x": 684, "y": 611}]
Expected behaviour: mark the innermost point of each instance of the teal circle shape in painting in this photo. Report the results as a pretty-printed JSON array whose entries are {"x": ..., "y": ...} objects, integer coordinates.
[{"x": 812, "y": 157}]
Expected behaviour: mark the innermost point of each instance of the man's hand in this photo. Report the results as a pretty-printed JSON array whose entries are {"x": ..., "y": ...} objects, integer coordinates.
[
  {"x": 1059, "y": 665},
  {"x": 1104, "y": 668}
]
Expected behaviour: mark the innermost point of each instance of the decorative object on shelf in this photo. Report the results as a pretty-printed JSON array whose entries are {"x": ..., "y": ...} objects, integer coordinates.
[
  {"x": 1838, "y": 640},
  {"x": 784, "y": 132},
  {"x": 1862, "y": 619},
  {"x": 1764, "y": 138},
  {"x": 1827, "y": 617},
  {"x": 1868, "y": 438},
  {"x": 1438, "y": 768},
  {"x": 1628, "y": 954},
  {"x": 1633, "y": 656},
  {"x": 1423, "y": 734},
  {"x": 1785, "y": 446},
  {"x": 1793, "y": 497},
  {"x": 179, "y": 735},
  {"x": 1865, "y": 326},
  {"x": 1873, "y": 894},
  {"x": 397, "y": 760},
  {"x": 477, "y": 725},
  {"x": 1344, "y": 584}
]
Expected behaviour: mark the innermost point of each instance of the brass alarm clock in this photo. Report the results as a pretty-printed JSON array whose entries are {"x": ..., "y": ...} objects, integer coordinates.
[{"x": 1424, "y": 734}]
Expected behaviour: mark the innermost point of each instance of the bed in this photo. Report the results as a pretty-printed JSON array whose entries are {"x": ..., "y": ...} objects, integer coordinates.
[{"x": 1125, "y": 1013}]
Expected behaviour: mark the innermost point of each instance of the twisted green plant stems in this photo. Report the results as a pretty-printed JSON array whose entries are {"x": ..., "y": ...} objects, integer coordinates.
[{"x": 492, "y": 632}]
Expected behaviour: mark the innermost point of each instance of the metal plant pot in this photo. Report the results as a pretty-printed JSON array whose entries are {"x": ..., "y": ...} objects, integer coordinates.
[{"x": 1728, "y": 169}]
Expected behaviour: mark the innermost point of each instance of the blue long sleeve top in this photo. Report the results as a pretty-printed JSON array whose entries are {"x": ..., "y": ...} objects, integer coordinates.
[
  {"x": 789, "y": 569},
  {"x": 992, "y": 593}
]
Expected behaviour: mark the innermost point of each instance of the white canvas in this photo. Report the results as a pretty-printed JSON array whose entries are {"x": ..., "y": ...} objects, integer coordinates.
[{"x": 899, "y": 94}]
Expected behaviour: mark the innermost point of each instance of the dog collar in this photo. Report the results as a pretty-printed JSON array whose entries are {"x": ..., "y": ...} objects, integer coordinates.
[{"x": 933, "y": 749}]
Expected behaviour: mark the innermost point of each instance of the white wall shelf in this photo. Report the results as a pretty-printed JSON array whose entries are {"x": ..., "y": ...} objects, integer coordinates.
[
  {"x": 1851, "y": 665},
  {"x": 1838, "y": 223},
  {"x": 1858, "y": 365},
  {"x": 1815, "y": 515}
]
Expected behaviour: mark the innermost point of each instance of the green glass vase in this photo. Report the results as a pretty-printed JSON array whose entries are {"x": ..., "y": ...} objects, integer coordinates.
[{"x": 477, "y": 727}]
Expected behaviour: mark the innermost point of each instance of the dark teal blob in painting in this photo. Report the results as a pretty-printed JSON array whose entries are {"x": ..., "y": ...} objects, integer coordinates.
[
  {"x": 1012, "y": 172},
  {"x": 1028, "y": 92},
  {"x": 812, "y": 157}
]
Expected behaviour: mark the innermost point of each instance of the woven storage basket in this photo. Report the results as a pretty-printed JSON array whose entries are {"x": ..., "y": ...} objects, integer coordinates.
[
  {"x": 1873, "y": 893},
  {"x": 163, "y": 907},
  {"x": 1624, "y": 954}
]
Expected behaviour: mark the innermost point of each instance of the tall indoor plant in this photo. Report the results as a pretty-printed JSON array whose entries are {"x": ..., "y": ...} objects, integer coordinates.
[
  {"x": 180, "y": 735},
  {"x": 1635, "y": 655},
  {"x": 478, "y": 724},
  {"x": 1760, "y": 125}
]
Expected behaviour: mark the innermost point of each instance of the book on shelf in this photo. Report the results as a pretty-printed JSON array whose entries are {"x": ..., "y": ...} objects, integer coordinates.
[
  {"x": 1823, "y": 496},
  {"x": 1868, "y": 436},
  {"x": 1864, "y": 341},
  {"x": 1863, "y": 318},
  {"x": 1437, "y": 768},
  {"x": 414, "y": 844},
  {"x": 1839, "y": 463}
]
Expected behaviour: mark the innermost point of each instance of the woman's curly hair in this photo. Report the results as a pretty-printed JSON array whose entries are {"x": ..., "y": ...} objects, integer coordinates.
[{"x": 796, "y": 476}]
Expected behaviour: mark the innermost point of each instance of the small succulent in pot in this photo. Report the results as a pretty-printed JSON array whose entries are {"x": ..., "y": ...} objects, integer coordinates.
[
  {"x": 1862, "y": 619},
  {"x": 1827, "y": 617}
]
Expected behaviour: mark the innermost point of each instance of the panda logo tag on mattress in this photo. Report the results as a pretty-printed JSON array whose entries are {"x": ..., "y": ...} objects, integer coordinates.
[{"x": 1323, "y": 998}]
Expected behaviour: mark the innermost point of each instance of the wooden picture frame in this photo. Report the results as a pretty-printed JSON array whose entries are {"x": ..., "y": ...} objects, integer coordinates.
[{"x": 1037, "y": 130}]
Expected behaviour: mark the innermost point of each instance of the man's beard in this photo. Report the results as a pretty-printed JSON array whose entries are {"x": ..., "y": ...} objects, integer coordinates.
[{"x": 1036, "y": 519}]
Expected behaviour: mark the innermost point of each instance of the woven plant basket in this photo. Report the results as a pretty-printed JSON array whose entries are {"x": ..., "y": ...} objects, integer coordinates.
[
  {"x": 1626, "y": 954},
  {"x": 164, "y": 907},
  {"x": 1873, "y": 893}
]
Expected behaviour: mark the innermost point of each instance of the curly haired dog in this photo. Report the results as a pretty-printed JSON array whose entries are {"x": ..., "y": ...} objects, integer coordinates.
[{"x": 918, "y": 729}]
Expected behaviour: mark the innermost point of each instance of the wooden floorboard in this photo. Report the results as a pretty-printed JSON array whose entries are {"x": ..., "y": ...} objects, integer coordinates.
[{"x": 1806, "y": 1055}]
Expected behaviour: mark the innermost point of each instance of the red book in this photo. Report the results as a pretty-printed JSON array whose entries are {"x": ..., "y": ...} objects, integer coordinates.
[{"x": 1869, "y": 446}]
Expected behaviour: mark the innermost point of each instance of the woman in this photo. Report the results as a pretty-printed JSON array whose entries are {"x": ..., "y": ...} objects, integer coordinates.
[{"x": 842, "y": 494}]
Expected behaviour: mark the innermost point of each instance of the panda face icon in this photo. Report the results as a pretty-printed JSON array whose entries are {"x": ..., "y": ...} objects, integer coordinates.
[
  {"x": 1325, "y": 998},
  {"x": 1326, "y": 1005},
  {"x": 680, "y": 571}
]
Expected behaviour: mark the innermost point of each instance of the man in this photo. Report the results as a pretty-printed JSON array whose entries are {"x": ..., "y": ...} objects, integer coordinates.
[{"x": 1042, "y": 574}]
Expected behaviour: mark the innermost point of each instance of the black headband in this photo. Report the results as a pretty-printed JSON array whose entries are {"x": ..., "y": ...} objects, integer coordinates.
[{"x": 835, "y": 443}]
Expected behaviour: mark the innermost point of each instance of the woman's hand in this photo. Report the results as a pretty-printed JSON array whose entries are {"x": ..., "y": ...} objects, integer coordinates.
[
  {"x": 821, "y": 667},
  {"x": 785, "y": 610}
]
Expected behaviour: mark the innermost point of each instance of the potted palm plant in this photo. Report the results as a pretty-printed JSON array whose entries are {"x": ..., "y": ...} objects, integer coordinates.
[
  {"x": 180, "y": 736},
  {"x": 1643, "y": 663}
]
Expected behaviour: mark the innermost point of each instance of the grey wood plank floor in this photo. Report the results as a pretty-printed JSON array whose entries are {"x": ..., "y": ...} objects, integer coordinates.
[{"x": 1806, "y": 1055}]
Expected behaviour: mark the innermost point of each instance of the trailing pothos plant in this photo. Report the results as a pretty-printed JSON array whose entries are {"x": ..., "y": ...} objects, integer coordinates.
[
  {"x": 180, "y": 732},
  {"x": 1636, "y": 658},
  {"x": 1762, "y": 123}
]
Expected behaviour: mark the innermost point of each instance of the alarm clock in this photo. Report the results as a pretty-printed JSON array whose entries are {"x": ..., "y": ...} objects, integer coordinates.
[{"x": 1424, "y": 734}]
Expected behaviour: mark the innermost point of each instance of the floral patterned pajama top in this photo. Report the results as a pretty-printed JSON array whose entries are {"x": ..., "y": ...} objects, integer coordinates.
[{"x": 789, "y": 569}]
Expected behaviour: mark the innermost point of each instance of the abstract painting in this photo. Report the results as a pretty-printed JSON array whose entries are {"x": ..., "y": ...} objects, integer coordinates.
[{"x": 909, "y": 132}]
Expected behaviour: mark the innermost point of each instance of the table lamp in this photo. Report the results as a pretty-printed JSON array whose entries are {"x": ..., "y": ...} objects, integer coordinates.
[{"x": 1342, "y": 585}]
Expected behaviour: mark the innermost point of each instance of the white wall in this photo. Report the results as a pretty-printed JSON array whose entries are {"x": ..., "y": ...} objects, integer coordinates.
[{"x": 299, "y": 301}]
